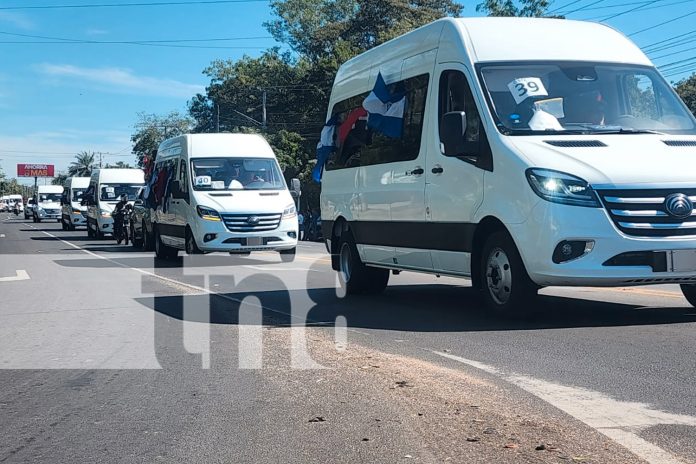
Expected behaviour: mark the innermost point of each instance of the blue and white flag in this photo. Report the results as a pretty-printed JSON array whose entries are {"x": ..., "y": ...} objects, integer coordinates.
[
  {"x": 325, "y": 147},
  {"x": 385, "y": 111}
]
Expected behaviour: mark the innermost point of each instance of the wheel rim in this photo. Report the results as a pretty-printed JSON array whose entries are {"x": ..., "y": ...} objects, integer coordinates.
[
  {"x": 499, "y": 276},
  {"x": 189, "y": 244},
  {"x": 346, "y": 262}
]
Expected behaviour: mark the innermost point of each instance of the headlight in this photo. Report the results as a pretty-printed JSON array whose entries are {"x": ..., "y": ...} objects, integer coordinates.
[
  {"x": 105, "y": 213},
  {"x": 289, "y": 212},
  {"x": 76, "y": 211},
  {"x": 559, "y": 187},
  {"x": 208, "y": 214}
]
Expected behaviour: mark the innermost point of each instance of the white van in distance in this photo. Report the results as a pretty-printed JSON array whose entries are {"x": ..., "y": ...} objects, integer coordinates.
[
  {"x": 551, "y": 154},
  {"x": 74, "y": 214},
  {"x": 221, "y": 192},
  {"x": 105, "y": 188},
  {"x": 48, "y": 203}
]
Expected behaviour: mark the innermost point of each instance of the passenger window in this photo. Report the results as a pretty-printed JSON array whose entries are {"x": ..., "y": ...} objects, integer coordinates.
[
  {"x": 455, "y": 95},
  {"x": 358, "y": 145},
  {"x": 182, "y": 176},
  {"x": 641, "y": 97}
]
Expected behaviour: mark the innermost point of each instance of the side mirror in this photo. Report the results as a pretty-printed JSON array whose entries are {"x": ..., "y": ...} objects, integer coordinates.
[
  {"x": 295, "y": 185},
  {"x": 452, "y": 132}
]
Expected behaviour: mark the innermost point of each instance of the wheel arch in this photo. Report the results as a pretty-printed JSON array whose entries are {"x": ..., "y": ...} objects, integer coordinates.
[{"x": 487, "y": 226}]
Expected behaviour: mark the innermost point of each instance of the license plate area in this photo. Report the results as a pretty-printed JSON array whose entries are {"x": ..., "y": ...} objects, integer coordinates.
[
  {"x": 254, "y": 241},
  {"x": 682, "y": 260}
]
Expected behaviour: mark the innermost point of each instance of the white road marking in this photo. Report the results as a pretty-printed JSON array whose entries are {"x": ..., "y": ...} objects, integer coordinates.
[
  {"x": 21, "y": 275},
  {"x": 2, "y": 235},
  {"x": 619, "y": 420}
]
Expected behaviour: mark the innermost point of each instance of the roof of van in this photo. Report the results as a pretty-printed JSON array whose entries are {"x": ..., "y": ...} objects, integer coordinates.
[
  {"x": 489, "y": 39},
  {"x": 135, "y": 176},
  {"x": 50, "y": 189},
  {"x": 201, "y": 145},
  {"x": 77, "y": 182}
]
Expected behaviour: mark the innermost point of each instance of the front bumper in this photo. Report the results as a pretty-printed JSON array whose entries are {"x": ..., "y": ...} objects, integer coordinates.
[
  {"x": 551, "y": 223},
  {"x": 78, "y": 219},
  {"x": 49, "y": 214},
  {"x": 284, "y": 237}
]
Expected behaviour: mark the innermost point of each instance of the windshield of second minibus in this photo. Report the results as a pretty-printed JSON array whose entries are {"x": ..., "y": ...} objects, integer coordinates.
[
  {"x": 573, "y": 97},
  {"x": 236, "y": 174}
]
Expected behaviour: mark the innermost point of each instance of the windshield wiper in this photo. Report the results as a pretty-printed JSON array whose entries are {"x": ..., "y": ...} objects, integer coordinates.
[{"x": 629, "y": 131}]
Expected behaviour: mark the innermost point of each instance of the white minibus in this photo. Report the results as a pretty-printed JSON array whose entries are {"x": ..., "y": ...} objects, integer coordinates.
[
  {"x": 47, "y": 204},
  {"x": 105, "y": 188},
  {"x": 73, "y": 212},
  {"x": 519, "y": 152},
  {"x": 220, "y": 192}
]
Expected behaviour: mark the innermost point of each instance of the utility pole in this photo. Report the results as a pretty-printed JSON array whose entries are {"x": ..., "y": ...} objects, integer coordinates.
[
  {"x": 217, "y": 117},
  {"x": 263, "y": 120}
]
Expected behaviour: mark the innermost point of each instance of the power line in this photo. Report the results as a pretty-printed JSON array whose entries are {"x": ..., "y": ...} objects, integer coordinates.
[
  {"x": 119, "y": 5},
  {"x": 690, "y": 49},
  {"x": 566, "y": 13},
  {"x": 562, "y": 7},
  {"x": 630, "y": 10},
  {"x": 662, "y": 23}
]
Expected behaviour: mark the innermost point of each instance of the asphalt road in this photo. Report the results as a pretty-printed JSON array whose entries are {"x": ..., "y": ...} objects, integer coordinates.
[{"x": 109, "y": 355}]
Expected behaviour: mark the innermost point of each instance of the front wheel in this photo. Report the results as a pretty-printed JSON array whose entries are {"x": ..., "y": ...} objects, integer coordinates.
[
  {"x": 354, "y": 276},
  {"x": 689, "y": 291},
  {"x": 147, "y": 243},
  {"x": 191, "y": 246},
  {"x": 505, "y": 283}
]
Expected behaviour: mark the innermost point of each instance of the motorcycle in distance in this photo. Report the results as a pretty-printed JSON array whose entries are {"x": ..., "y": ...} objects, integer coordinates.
[
  {"x": 15, "y": 210},
  {"x": 122, "y": 223}
]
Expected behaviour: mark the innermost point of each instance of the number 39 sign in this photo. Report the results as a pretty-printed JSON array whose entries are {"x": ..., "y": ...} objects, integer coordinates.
[{"x": 526, "y": 87}]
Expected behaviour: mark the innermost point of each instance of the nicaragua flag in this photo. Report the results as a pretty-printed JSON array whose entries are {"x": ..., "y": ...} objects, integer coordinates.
[
  {"x": 385, "y": 111},
  {"x": 325, "y": 147}
]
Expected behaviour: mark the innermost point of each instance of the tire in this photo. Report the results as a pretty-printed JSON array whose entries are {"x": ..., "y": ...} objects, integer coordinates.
[
  {"x": 90, "y": 233},
  {"x": 135, "y": 242},
  {"x": 163, "y": 251},
  {"x": 147, "y": 241},
  {"x": 191, "y": 245},
  {"x": 689, "y": 291},
  {"x": 98, "y": 234},
  {"x": 354, "y": 276},
  {"x": 505, "y": 284},
  {"x": 288, "y": 256},
  {"x": 63, "y": 225}
]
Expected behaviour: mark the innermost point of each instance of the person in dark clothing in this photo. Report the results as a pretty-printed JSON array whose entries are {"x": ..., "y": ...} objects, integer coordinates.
[{"x": 117, "y": 215}]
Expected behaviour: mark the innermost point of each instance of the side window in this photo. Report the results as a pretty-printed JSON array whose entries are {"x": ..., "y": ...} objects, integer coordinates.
[
  {"x": 641, "y": 97},
  {"x": 182, "y": 176},
  {"x": 455, "y": 95},
  {"x": 359, "y": 145}
]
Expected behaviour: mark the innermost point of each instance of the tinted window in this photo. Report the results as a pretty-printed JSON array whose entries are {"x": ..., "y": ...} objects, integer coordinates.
[
  {"x": 363, "y": 146},
  {"x": 455, "y": 95}
]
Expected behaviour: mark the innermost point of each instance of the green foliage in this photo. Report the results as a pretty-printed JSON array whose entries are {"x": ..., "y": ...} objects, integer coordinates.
[
  {"x": 526, "y": 8},
  {"x": 11, "y": 186},
  {"x": 151, "y": 130},
  {"x": 60, "y": 179},
  {"x": 83, "y": 164},
  {"x": 686, "y": 89},
  {"x": 118, "y": 165}
]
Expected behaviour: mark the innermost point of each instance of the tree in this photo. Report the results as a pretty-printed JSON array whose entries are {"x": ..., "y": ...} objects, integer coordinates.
[
  {"x": 151, "y": 130},
  {"x": 119, "y": 165},
  {"x": 83, "y": 164},
  {"x": 686, "y": 88},
  {"x": 527, "y": 8},
  {"x": 60, "y": 179}
]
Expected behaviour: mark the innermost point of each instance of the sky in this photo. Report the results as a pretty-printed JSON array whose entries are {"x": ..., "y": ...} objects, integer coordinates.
[{"x": 67, "y": 96}]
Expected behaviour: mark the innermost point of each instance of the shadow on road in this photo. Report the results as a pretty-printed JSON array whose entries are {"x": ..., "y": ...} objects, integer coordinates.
[
  {"x": 415, "y": 308},
  {"x": 150, "y": 262}
]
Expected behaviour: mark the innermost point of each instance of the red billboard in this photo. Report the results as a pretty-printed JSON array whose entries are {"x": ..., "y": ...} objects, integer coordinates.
[{"x": 35, "y": 170}]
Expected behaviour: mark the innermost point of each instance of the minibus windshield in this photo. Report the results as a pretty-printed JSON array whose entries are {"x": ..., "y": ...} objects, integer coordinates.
[
  {"x": 49, "y": 197},
  {"x": 112, "y": 192},
  {"x": 77, "y": 194},
  {"x": 531, "y": 98},
  {"x": 236, "y": 174}
]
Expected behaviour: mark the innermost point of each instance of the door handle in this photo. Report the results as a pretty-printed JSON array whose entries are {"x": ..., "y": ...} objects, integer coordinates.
[
  {"x": 415, "y": 172},
  {"x": 437, "y": 170}
]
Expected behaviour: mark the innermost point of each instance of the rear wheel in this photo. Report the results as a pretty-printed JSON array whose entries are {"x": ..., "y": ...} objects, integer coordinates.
[
  {"x": 147, "y": 240},
  {"x": 505, "y": 283},
  {"x": 135, "y": 241},
  {"x": 288, "y": 256},
  {"x": 163, "y": 251},
  {"x": 689, "y": 291},
  {"x": 354, "y": 276}
]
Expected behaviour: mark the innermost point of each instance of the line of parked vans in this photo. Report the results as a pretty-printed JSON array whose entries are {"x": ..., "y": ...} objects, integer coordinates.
[
  {"x": 205, "y": 193},
  {"x": 531, "y": 152}
]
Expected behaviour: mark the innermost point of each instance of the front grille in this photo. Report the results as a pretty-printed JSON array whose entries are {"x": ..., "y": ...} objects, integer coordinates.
[
  {"x": 641, "y": 212},
  {"x": 241, "y": 223}
]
